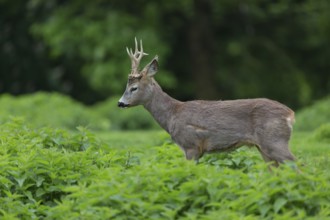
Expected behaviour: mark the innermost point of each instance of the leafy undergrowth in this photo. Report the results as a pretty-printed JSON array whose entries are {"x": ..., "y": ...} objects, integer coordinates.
[
  {"x": 60, "y": 111},
  {"x": 51, "y": 109},
  {"x": 55, "y": 174},
  {"x": 312, "y": 117},
  {"x": 322, "y": 134}
]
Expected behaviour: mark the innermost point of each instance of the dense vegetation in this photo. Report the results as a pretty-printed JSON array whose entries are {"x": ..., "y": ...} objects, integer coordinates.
[
  {"x": 311, "y": 117},
  {"x": 208, "y": 49},
  {"x": 52, "y": 173},
  {"x": 59, "y": 111}
]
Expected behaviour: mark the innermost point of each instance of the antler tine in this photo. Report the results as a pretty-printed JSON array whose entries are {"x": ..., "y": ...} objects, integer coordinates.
[
  {"x": 136, "y": 56},
  {"x": 140, "y": 53},
  {"x": 136, "y": 46},
  {"x": 128, "y": 52}
]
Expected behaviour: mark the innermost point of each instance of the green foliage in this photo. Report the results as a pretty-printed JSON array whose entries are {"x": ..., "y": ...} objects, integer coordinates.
[
  {"x": 313, "y": 116},
  {"x": 103, "y": 35},
  {"x": 322, "y": 134},
  {"x": 56, "y": 110},
  {"x": 125, "y": 119},
  {"x": 36, "y": 166},
  {"x": 54, "y": 174},
  {"x": 51, "y": 109}
]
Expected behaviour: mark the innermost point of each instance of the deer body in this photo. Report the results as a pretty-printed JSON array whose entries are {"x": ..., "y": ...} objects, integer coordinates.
[{"x": 200, "y": 127}]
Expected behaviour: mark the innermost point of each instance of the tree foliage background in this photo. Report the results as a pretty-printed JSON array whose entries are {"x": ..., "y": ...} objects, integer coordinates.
[{"x": 208, "y": 49}]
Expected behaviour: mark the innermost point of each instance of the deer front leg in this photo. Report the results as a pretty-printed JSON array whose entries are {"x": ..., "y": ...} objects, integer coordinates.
[
  {"x": 192, "y": 154},
  {"x": 195, "y": 152}
]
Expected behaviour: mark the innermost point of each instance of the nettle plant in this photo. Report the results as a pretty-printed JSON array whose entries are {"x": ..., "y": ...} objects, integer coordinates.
[
  {"x": 49, "y": 173},
  {"x": 38, "y": 164}
]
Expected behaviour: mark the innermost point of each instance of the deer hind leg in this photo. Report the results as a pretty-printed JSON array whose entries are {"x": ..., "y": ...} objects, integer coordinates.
[
  {"x": 267, "y": 158},
  {"x": 276, "y": 151},
  {"x": 273, "y": 141}
]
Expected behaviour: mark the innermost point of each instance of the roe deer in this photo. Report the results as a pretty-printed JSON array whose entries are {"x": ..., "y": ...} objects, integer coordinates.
[{"x": 200, "y": 127}]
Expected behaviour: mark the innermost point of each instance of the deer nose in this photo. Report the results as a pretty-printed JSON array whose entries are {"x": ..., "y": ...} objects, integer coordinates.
[{"x": 122, "y": 105}]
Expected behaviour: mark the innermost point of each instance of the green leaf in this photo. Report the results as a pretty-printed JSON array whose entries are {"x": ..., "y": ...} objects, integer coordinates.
[
  {"x": 40, "y": 192},
  {"x": 20, "y": 180},
  {"x": 264, "y": 209},
  {"x": 39, "y": 181},
  {"x": 279, "y": 203}
]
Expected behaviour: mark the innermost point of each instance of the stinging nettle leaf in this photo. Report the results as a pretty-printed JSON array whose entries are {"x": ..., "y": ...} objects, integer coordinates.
[{"x": 278, "y": 204}]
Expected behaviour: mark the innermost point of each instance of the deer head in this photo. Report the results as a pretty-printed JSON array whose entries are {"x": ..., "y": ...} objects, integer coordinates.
[{"x": 140, "y": 83}]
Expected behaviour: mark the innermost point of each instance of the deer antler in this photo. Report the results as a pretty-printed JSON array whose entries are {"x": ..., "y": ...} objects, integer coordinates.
[{"x": 136, "y": 57}]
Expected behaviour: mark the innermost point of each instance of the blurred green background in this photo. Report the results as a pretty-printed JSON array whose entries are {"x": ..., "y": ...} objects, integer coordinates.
[{"x": 208, "y": 49}]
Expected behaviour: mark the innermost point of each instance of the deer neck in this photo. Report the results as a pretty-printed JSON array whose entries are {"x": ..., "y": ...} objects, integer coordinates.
[{"x": 161, "y": 106}]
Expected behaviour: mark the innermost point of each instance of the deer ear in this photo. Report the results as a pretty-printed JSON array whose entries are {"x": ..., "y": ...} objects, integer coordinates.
[{"x": 152, "y": 67}]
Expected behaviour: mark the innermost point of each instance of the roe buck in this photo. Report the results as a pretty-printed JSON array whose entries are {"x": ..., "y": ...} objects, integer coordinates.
[{"x": 200, "y": 127}]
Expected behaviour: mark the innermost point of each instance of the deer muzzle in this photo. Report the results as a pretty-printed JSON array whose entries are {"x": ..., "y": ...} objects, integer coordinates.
[{"x": 122, "y": 105}]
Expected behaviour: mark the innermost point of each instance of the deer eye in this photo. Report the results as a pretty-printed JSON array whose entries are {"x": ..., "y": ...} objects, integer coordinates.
[{"x": 133, "y": 89}]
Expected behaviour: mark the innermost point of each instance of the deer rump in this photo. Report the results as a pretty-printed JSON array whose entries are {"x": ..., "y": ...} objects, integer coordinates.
[{"x": 200, "y": 127}]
